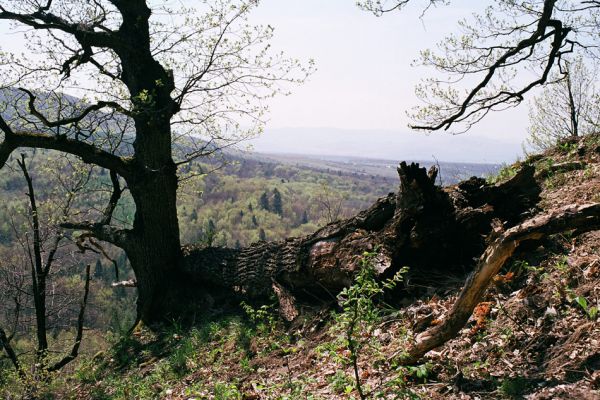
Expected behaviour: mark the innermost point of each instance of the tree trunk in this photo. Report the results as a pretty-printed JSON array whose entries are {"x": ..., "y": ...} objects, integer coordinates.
[
  {"x": 153, "y": 247},
  {"x": 423, "y": 226}
]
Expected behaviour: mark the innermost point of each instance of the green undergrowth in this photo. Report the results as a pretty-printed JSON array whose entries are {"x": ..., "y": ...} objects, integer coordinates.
[
  {"x": 148, "y": 366},
  {"x": 236, "y": 356}
]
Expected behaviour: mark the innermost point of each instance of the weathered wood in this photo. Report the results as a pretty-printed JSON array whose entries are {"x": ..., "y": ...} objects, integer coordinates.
[
  {"x": 422, "y": 226},
  {"x": 582, "y": 218},
  {"x": 566, "y": 166},
  {"x": 131, "y": 283}
]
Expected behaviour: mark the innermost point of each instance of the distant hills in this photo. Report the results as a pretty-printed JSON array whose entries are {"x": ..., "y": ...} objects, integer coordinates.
[
  {"x": 450, "y": 172},
  {"x": 388, "y": 145},
  {"x": 373, "y": 149}
]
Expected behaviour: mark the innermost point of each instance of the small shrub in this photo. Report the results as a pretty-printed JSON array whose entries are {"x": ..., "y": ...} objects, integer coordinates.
[
  {"x": 341, "y": 383},
  {"x": 263, "y": 317},
  {"x": 505, "y": 173},
  {"x": 360, "y": 312},
  {"x": 226, "y": 391},
  {"x": 591, "y": 312},
  {"x": 567, "y": 146}
]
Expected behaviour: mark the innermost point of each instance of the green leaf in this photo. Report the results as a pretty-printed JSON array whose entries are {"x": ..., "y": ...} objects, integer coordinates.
[
  {"x": 582, "y": 302},
  {"x": 593, "y": 313}
]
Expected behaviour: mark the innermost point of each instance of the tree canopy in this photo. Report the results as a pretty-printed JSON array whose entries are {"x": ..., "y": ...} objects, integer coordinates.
[
  {"x": 568, "y": 106},
  {"x": 157, "y": 86}
]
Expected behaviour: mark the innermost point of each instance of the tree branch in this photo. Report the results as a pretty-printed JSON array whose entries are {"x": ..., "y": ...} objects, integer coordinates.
[
  {"x": 470, "y": 106},
  {"x": 73, "y": 120},
  {"x": 131, "y": 283},
  {"x": 35, "y": 219},
  {"x": 38, "y": 273},
  {"x": 88, "y": 153},
  {"x": 102, "y": 230},
  {"x": 114, "y": 198},
  {"x": 106, "y": 233},
  {"x": 80, "y": 319},
  {"x": 10, "y": 352},
  {"x": 582, "y": 218},
  {"x": 43, "y": 19}
]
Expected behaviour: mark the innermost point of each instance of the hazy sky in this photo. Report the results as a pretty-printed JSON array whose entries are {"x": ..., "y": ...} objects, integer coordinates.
[{"x": 364, "y": 78}]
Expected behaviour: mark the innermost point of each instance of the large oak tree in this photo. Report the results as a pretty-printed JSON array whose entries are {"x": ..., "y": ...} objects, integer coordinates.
[{"x": 156, "y": 87}]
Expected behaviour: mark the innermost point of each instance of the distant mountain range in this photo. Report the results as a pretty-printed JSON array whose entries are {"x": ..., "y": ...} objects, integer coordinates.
[
  {"x": 449, "y": 172},
  {"x": 323, "y": 143},
  {"x": 388, "y": 145}
]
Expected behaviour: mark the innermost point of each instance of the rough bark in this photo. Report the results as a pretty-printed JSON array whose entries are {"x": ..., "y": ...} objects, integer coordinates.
[
  {"x": 153, "y": 245},
  {"x": 421, "y": 226}
]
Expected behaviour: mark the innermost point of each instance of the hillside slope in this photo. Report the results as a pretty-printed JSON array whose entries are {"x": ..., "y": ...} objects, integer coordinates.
[{"x": 535, "y": 335}]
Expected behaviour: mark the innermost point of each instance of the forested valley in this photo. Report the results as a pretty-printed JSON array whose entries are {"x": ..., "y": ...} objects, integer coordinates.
[{"x": 145, "y": 253}]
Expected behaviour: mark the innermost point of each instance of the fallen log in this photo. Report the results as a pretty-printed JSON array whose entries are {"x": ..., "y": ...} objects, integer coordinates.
[
  {"x": 423, "y": 226},
  {"x": 580, "y": 218},
  {"x": 566, "y": 166}
]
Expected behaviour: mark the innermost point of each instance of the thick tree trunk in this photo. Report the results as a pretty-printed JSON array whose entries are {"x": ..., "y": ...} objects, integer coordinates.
[
  {"x": 154, "y": 249},
  {"x": 423, "y": 226},
  {"x": 153, "y": 246}
]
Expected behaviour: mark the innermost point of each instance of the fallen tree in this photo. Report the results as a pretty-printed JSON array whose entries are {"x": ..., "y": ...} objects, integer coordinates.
[{"x": 423, "y": 226}]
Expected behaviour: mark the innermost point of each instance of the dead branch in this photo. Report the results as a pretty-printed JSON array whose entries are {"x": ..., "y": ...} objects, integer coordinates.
[
  {"x": 80, "y": 319},
  {"x": 10, "y": 352},
  {"x": 581, "y": 218},
  {"x": 131, "y": 283},
  {"x": 38, "y": 271}
]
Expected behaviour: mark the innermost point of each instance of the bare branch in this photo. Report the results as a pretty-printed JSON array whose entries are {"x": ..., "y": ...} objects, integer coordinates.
[
  {"x": 118, "y": 237},
  {"x": 471, "y": 106},
  {"x": 72, "y": 120},
  {"x": 10, "y": 352},
  {"x": 114, "y": 198},
  {"x": 582, "y": 218},
  {"x": 38, "y": 273},
  {"x": 35, "y": 219},
  {"x": 102, "y": 230},
  {"x": 88, "y": 153},
  {"x": 131, "y": 283},
  {"x": 80, "y": 320},
  {"x": 45, "y": 20}
]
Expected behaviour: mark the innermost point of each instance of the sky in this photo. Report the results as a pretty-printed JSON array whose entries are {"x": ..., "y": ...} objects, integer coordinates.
[{"x": 365, "y": 82}]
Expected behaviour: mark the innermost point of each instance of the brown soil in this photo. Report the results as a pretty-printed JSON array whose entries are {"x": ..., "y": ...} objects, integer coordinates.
[{"x": 528, "y": 339}]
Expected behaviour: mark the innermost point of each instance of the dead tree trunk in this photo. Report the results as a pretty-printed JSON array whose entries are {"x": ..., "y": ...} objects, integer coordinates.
[{"x": 423, "y": 226}]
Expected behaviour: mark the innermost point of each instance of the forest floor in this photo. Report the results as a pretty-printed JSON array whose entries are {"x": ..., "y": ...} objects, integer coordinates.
[{"x": 535, "y": 335}]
